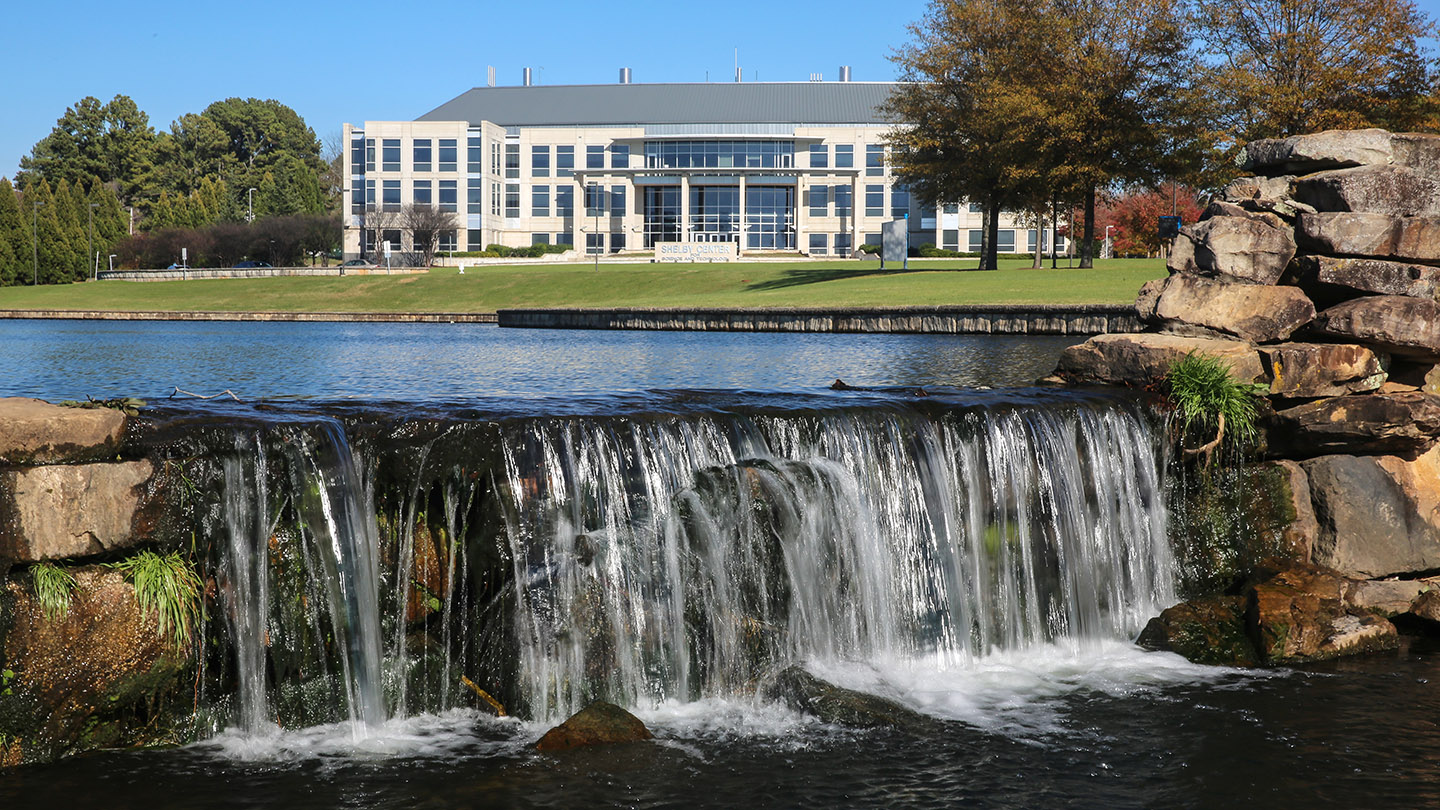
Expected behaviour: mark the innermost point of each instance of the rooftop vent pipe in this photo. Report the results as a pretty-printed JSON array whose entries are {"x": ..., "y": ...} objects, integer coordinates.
[
  {"x": 624, "y": 75},
  {"x": 844, "y": 73},
  {"x": 527, "y": 77},
  {"x": 489, "y": 75}
]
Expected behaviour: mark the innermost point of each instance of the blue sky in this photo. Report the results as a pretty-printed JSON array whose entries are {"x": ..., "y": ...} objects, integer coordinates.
[
  {"x": 362, "y": 60},
  {"x": 338, "y": 62}
]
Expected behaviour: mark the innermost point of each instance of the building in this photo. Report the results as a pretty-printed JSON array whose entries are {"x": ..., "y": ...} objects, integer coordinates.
[{"x": 796, "y": 167}]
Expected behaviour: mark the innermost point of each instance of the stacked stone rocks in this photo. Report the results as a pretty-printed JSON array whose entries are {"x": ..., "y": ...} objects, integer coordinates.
[{"x": 1319, "y": 277}]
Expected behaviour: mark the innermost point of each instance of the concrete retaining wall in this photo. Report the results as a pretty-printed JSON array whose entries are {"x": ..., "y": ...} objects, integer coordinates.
[
  {"x": 1081, "y": 319},
  {"x": 192, "y": 273},
  {"x": 365, "y": 317}
]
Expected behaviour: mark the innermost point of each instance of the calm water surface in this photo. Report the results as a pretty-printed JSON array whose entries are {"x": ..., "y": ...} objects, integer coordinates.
[{"x": 447, "y": 362}]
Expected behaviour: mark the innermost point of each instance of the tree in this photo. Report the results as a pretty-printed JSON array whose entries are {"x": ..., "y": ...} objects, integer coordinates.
[
  {"x": 1135, "y": 216},
  {"x": 424, "y": 224},
  {"x": 1288, "y": 67},
  {"x": 15, "y": 233},
  {"x": 72, "y": 225},
  {"x": 112, "y": 141},
  {"x": 54, "y": 251},
  {"x": 974, "y": 107}
]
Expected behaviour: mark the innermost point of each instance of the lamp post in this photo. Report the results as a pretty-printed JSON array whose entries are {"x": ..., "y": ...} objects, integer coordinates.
[
  {"x": 1108, "y": 250},
  {"x": 92, "y": 256},
  {"x": 35, "y": 244},
  {"x": 249, "y": 206},
  {"x": 112, "y": 262}
]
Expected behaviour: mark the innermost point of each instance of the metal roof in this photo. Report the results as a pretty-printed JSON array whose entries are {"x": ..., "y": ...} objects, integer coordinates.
[{"x": 696, "y": 103}]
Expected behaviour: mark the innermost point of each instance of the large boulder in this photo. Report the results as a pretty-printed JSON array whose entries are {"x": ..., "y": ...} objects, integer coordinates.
[
  {"x": 1404, "y": 424},
  {"x": 1417, "y": 151},
  {"x": 1253, "y": 313},
  {"x": 1397, "y": 324},
  {"x": 1241, "y": 249},
  {"x": 76, "y": 510},
  {"x": 804, "y": 692},
  {"x": 1380, "y": 236},
  {"x": 1387, "y": 597},
  {"x": 1309, "y": 370},
  {"x": 1136, "y": 359},
  {"x": 1331, "y": 149},
  {"x": 33, "y": 431},
  {"x": 1327, "y": 277},
  {"x": 1379, "y": 516},
  {"x": 98, "y": 675},
  {"x": 1207, "y": 631},
  {"x": 600, "y": 723},
  {"x": 1300, "y": 615},
  {"x": 1257, "y": 189},
  {"x": 1393, "y": 190}
]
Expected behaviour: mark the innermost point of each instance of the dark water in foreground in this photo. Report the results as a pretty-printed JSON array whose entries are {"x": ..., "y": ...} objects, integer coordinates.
[{"x": 1362, "y": 734}]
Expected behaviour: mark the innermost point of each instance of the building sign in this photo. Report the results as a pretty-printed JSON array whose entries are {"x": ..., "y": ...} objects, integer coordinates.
[{"x": 697, "y": 251}]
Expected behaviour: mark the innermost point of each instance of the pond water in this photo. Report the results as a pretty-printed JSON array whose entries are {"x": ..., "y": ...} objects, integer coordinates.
[{"x": 1075, "y": 722}]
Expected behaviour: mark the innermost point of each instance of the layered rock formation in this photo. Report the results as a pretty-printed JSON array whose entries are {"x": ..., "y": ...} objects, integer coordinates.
[{"x": 1318, "y": 277}]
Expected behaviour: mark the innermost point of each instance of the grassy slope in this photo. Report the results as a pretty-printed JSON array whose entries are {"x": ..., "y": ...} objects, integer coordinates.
[{"x": 485, "y": 289}]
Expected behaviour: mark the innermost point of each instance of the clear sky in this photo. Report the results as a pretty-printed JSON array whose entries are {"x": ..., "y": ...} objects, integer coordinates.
[
  {"x": 336, "y": 62},
  {"x": 363, "y": 60}
]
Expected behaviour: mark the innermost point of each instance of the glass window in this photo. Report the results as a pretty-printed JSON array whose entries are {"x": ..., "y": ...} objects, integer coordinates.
[
  {"x": 390, "y": 195},
  {"x": 512, "y": 200},
  {"x": 842, "y": 244},
  {"x": 719, "y": 154},
  {"x": 976, "y": 237},
  {"x": 617, "y": 242},
  {"x": 421, "y": 192},
  {"x": 875, "y": 201},
  {"x": 539, "y": 238},
  {"x": 1005, "y": 241},
  {"x": 564, "y": 201},
  {"x": 565, "y": 239},
  {"x": 475, "y": 155},
  {"x": 620, "y": 156},
  {"x": 494, "y": 199},
  {"x": 873, "y": 239},
  {"x": 448, "y": 157},
  {"x": 390, "y": 155},
  {"x": 594, "y": 243},
  {"x": 564, "y": 161},
  {"x": 594, "y": 200},
  {"x": 975, "y": 208},
  {"x": 539, "y": 161},
  {"x": 475, "y": 240},
  {"x": 447, "y": 243},
  {"x": 393, "y": 237},
  {"x": 474, "y": 196},
  {"x": 899, "y": 202},
  {"x": 449, "y": 195},
  {"x": 952, "y": 208},
  {"x": 1030, "y": 238},
  {"x": 369, "y": 154},
  {"x": 844, "y": 156},
  {"x": 422, "y": 155},
  {"x": 844, "y": 206},
  {"x": 357, "y": 156},
  {"x": 950, "y": 239},
  {"x": 617, "y": 201},
  {"x": 357, "y": 197},
  {"x": 369, "y": 193},
  {"x": 594, "y": 157},
  {"x": 539, "y": 201},
  {"x": 819, "y": 157},
  {"x": 819, "y": 243},
  {"x": 874, "y": 159},
  {"x": 495, "y": 159},
  {"x": 512, "y": 160},
  {"x": 819, "y": 201}
]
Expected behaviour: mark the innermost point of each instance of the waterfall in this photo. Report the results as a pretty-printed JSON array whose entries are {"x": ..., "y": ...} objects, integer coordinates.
[
  {"x": 676, "y": 558},
  {"x": 245, "y": 577}
]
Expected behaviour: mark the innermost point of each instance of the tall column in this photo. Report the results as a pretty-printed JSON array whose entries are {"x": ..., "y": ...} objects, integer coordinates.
[
  {"x": 801, "y": 244},
  {"x": 684, "y": 208},
  {"x": 855, "y": 209},
  {"x": 744, "y": 219}
]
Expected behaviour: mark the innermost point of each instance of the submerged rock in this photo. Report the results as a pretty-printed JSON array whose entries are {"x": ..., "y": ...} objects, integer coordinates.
[
  {"x": 600, "y": 723},
  {"x": 802, "y": 691},
  {"x": 1300, "y": 616},
  {"x": 1207, "y": 631}
]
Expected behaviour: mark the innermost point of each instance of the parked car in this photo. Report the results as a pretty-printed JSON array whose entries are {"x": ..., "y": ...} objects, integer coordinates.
[
  {"x": 239, "y": 265},
  {"x": 358, "y": 263}
]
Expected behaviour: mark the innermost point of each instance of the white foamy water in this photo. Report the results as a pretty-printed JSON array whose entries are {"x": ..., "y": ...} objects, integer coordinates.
[{"x": 423, "y": 736}]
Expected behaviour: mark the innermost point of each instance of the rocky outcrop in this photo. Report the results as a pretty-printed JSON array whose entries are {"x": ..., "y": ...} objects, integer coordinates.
[
  {"x": 79, "y": 676},
  {"x": 1379, "y": 236},
  {"x": 1242, "y": 248},
  {"x": 1311, "y": 370},
  {"x": 600, "y": 723},
  {"x": 1209, "y": 630},
  {"x": 1258, "y": 314},
  {"x": 1326, "y": 277},
  {"x": 63, "y": 511},
  {"x": 35, "y": 432},
  {"x": 1125, "y": 359},
  {"x": 1396, "y": 324},
  {"x": 1374, "y": 189},
  {"x": 1300, "y": 615},
  {"x": 1378, "y": 516},
  {"x": 1403, "y": 424},
  {"x": 1325, "y": 150}
]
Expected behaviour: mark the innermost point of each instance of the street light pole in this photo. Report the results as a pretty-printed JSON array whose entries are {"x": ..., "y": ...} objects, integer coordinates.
[
  {"x": 92, "y": 256},
  {"x": 35, "y": 244},
  {"x": 112, "y": 262},
  {"x": 249, "y": 206}
]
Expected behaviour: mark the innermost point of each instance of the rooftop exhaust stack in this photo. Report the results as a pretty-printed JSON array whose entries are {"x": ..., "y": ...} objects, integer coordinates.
[
  {"x": 527, "y": 77},
  {"x": 624, "y": 75},
  {"x": 738, "y": 74},
  {"x": 844, "y": 73},
  {"x": 489, "y": 75}
]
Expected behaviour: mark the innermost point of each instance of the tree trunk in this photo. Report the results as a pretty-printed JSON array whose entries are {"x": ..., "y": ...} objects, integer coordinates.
[
  {"x": 985, "y": 235},
  {"x": 992, "y": 234},
  {"x": 1039, "y": 239},
  {"x": 1087, "y": 245}
]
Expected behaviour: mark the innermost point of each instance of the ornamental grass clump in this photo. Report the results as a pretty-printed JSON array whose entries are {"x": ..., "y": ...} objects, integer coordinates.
[
  {"x": 1211, "y": 402},
  {"x": 167, "y": 588},
  {"x": 53, "y": 587}
]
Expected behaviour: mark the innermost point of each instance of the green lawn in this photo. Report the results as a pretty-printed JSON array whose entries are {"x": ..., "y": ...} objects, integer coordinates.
[{"x": 751, "y": 284}]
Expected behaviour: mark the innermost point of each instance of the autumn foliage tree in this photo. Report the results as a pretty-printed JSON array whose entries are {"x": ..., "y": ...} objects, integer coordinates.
[{"x": 1134, "y": 218}]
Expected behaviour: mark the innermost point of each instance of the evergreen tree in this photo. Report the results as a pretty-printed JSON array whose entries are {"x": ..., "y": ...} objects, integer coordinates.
[
  {"x": 53, "y": 246},
  {"x": 15, "y": 236},
  {"x": 111, "y": 222},
  {"x": 111, "y": 141},
  {"x": 73, "y": 231}
]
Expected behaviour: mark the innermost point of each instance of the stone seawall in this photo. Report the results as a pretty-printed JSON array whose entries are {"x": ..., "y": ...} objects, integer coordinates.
[
  {"x": 156, "y": 315},
  {"x": 1082, "y": 319},
  {"x": 194, "y": 273}
]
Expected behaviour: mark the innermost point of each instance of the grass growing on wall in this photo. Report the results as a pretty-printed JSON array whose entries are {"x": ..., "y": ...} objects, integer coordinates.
[
  {"x": 168, "y": 588},
  {"x": 53, "y": 587},
  {"x": 927, "y": 282}
]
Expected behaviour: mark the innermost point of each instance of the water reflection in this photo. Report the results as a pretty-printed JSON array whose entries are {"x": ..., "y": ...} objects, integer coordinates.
[{"x": 430, "y": 362}]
